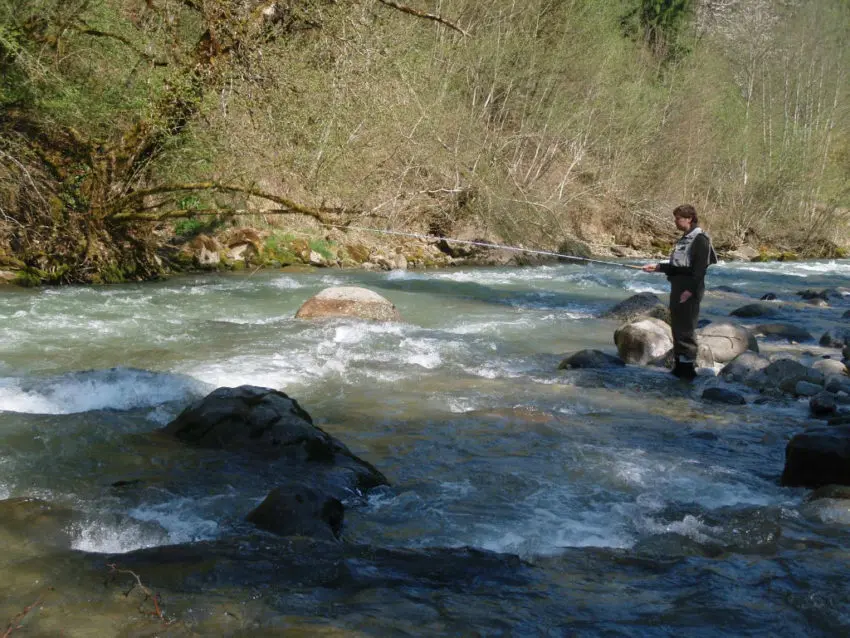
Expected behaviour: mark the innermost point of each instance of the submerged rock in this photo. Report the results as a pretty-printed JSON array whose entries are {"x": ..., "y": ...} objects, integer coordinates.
[
  {"x": 643, "y": 340},
  {"x": 836, "y": 338},
  {"x": 819, "y": 456},
  {"x": 348, "y": 301},
  {"x": 591, "y": 359},
  {"x": 268, "y": 424},
  {"x": 790, "y": 332},
  {"x": 644, "y": 304},
  {"x": 727, "y": 340},
  {"x": 723, "y": 395},
  {"x": 299, "y": 510},
  {"x": 822, "y": 404},
  {"x": 756, "y": 310}
]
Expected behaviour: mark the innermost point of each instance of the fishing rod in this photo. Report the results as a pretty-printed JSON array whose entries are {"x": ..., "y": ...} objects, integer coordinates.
[{"x": 485, "y": 244}]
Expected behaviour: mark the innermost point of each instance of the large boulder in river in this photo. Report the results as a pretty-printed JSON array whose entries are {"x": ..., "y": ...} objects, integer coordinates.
[
  {"x": 266, "y": 423},
  {"x": 643, "y": 341},
  {"x": 348, "y": 301},
  {"x": 727, "y": 340},
  {"x": 299, "y": 510},
  {"x": 818, "y": 456},
  {"x": 591, "y": 359},
  {"x": 644, "y": 304}
]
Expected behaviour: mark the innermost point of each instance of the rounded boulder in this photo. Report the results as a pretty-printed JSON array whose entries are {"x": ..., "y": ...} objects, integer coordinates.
[
  {"x": 643, "y": 341},
  {"x": 348, "y": 301},
  {"x": 727, "y": 340}
]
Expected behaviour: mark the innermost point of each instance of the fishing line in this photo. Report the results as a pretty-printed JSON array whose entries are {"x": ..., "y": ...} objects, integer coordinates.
[{"x": 485, "y": 245}]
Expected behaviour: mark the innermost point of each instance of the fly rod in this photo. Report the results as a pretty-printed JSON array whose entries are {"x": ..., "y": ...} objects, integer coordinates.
[{"x": 486, "y": 245}]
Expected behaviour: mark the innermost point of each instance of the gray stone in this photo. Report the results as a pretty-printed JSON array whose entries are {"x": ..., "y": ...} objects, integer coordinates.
[
  {"x": 591, "y": 359},
  {"x": 267, "y": 424},
  {"x": 807, "y": 389},
  {"x": 836, "y": 338},
  {"x": 830, "y": 367},
  {"x": 822, "y": 404},
  {"x": 818, "y": 456},
  {"x": 644, "y": 304},
  {"x": 787, "y": 331},
  {"x": 784, "y": 374},
  {"x": 744, "y": 366},
  {"x": 348, "y": 301},
  {"x": 756, "y": 310},
  {"x": 299, "y": 510},
  {"x": 836, "y": 383},
  {"x": 726, "y": 340},
  {"x": 723, "y": 395},
  {"x": 643, "y": 340}
]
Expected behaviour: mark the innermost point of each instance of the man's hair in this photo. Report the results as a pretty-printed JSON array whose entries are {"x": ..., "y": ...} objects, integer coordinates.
[{"x": 688, "y": 212}]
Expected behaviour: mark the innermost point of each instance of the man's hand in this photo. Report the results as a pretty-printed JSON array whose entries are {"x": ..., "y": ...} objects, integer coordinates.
[
  {"x": 686, "y": 294},
  {"x": 650, "y": 268}
]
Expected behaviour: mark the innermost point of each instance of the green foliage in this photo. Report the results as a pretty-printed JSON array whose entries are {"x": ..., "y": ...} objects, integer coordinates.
[
  {"x": 188, "y": 227},
  {"x": 324, "y": 248}
]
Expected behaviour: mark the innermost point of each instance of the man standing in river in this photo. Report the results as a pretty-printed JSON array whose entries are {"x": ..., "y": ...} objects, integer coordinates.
[{"x": 691, "y": 257}]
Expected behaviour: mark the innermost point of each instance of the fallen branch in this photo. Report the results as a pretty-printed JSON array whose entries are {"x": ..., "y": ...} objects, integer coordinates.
[
  {"x": 117, "y": 209},
  {"x": 15, "y": 623},
  {"x": 422, "y": 14},
  {"x": 149, "y": 595}
]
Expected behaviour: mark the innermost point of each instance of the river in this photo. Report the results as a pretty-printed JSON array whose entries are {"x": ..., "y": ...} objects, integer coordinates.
[{"x": 631, "y": 506}]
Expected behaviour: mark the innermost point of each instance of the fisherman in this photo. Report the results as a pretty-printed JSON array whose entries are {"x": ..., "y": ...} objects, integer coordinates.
[{"x": 691, "y": 256}]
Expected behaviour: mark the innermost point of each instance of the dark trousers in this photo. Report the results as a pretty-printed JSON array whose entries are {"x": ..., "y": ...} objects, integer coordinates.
[{"x": 683, "y": 320}]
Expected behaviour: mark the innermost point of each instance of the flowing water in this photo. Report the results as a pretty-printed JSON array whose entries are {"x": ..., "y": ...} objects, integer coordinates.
[{"x": 634, "y": 507}]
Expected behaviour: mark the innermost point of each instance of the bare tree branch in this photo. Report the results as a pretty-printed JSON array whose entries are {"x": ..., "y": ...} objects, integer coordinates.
[{"x": 422, "y": 14}]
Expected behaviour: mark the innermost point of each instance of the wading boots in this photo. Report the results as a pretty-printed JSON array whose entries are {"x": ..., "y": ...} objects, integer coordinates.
[{"x": 684, "y": 370}]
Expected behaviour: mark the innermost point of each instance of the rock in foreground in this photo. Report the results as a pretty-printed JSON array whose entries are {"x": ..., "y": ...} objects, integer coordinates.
[
  {"x": 819, "y": 456},
  {"x": 348, "y": 301},
  {"x": 267, "y": 424}
]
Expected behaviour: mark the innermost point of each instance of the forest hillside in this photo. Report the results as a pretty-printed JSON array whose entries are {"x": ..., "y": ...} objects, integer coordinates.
[{"x": 130, "y": 128}]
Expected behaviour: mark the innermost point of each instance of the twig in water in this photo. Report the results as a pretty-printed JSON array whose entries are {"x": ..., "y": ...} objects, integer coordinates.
[
  {"x": 15, "y": 623},
  {"x": 154, "y": 597}
]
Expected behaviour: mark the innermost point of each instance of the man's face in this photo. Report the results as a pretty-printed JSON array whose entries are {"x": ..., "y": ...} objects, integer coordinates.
[{"x": 682, "y": 223}]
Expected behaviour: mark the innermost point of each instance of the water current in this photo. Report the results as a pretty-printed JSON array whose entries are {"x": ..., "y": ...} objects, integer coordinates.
[{"x": 591, "y": 503}]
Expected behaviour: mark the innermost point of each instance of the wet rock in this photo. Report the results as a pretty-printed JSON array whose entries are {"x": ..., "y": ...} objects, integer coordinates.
[
  {"x": 279, "y": 564},
  {"x": 819, "y": 303},
  {"x": 591, "y": 359},
  {"x": 839, "y": 419},
  {"x": 837, "y": 492},
  {"x": 348, "y": 301},
  {"x": 727, "y": 340},
  {"x": 836, "y": 383},
  {"x": 723, "y": 395},
  {"x": 810, "y": 294},
  {"x": 768, "y": 297},
  {"x": 822, "y": 404},
  {"x": 299, "y": 510},
  {"x": 836, "y": 338},
  {"x": 787, "y": 331},
  {"x": 266, "y": 423},
  {"x": 726, "y": 289},
  {"x": 744, "y": 366},
  {"x": 643, "y": 340},
  {"x": 644, "y": 304},
  {"x": 807, "y": 389},
  {"x": 817, "y": 457},
  {"x": 756, "y": 310},
  {"x": 35, "y": 520},
  {"x": 784, "y": 374},
  {"x": 830, "y": 367}
]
